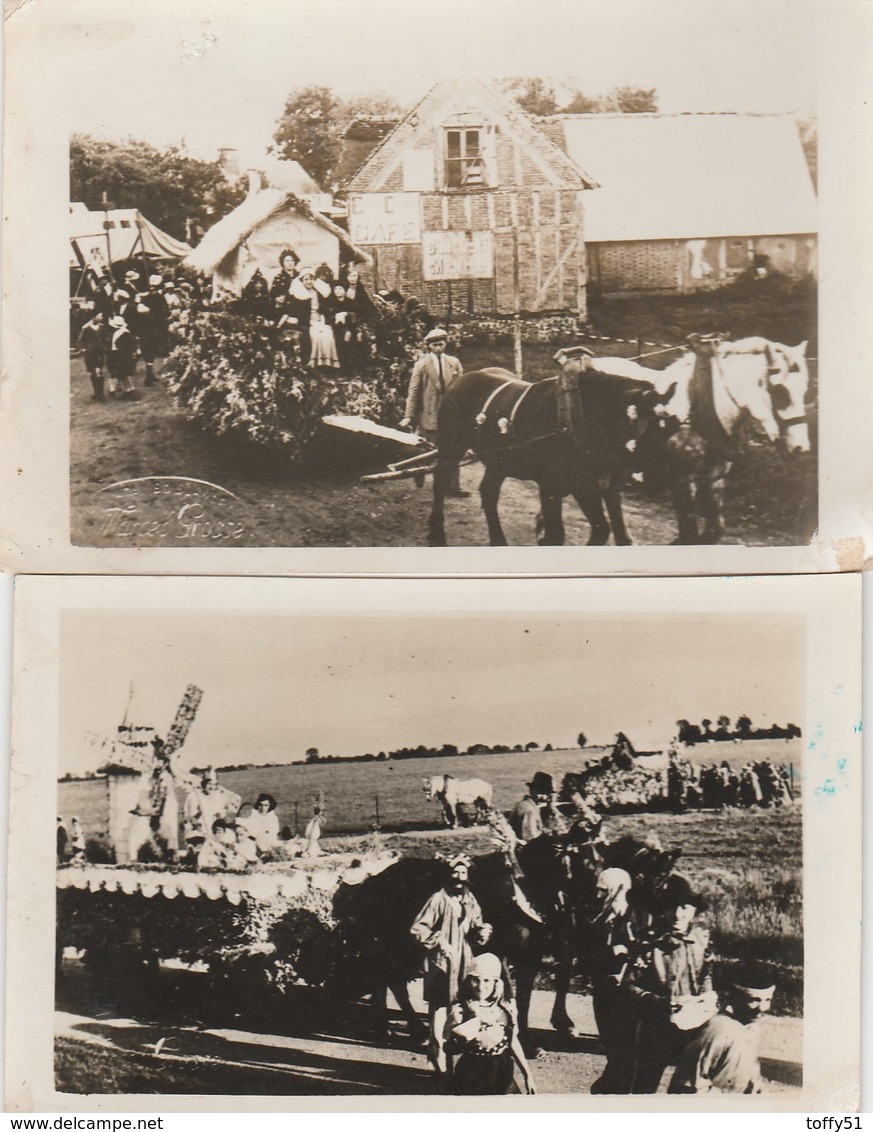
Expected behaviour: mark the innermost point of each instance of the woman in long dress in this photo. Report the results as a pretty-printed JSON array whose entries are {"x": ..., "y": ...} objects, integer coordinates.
[{"x": 311, "y": 304}]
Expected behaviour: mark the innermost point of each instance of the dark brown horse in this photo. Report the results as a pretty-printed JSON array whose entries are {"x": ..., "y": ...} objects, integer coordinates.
[{"x": 515, "y": 429}]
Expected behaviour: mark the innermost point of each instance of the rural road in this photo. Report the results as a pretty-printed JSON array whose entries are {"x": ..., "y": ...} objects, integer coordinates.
[{"x": 334, "y": 1063}]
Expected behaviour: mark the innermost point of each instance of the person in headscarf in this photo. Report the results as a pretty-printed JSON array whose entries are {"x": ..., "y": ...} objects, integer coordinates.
[
  {"x": 722, "y": 1056},
  {"x": 450, "y": 918},
  {"x": 482, "y": 1033},
  {"x": 311, "y": 304},
  {"x": 669, "y": 984},
  {"x": 313, "y": 832},
  {"x": 610, "y": 937}
]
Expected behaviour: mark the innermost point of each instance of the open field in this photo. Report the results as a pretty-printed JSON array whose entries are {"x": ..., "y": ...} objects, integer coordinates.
[{"x": 351, "y": 788}]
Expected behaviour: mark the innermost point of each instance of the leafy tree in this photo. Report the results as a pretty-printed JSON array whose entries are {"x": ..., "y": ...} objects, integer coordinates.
[
  {"x": 631, "y": 100},
  {"x": 582, "y": 739},
  {"x": 744, "y": 727},
  {"x": 531, "y": 746},
  {"x": 313, "y": 122},
  {"x": 308, "y": 131},
  {"x": 312, "y": 755},
  {"x": 582, "y": 104},
  {"x": 535, "y": 96},
  {"x": 538, "y": 97},
  {"x": 169, "y": 187}
]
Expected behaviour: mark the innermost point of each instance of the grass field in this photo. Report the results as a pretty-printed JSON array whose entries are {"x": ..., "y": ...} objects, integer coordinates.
[{"x": 350, "y": 789}]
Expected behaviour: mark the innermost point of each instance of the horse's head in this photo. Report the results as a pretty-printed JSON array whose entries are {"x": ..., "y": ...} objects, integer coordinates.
[
  {"x": 769, "y": 381},
  {"x": 429, "y": 787},
  {"x": 788, "y": 381}
]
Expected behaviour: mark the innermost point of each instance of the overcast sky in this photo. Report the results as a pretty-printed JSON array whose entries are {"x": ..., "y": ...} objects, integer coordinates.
[
  {"x": 217, "y": 74},
  {"x": 276, "y": 684}
]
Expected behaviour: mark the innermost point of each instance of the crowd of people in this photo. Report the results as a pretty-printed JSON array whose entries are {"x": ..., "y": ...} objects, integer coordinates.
[
  {"x": 325, "y": 321},
  {"x": 760, "y": 783},
  {"x": 655, "y": 996},
  {"x": 328, "y": 321},
  {"x": 683, "y": 785},
  {"x": 126, "y": 320}
]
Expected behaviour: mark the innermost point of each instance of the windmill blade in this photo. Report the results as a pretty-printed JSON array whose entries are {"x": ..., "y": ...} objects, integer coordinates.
[{"x": 185, "y": 714}]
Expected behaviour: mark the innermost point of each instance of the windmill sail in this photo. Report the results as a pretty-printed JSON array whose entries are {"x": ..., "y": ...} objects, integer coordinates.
[{"x": 185, "y": 714}]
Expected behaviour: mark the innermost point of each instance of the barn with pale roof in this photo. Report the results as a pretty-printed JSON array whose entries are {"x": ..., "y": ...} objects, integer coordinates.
[{"x": 689, "y": 200}]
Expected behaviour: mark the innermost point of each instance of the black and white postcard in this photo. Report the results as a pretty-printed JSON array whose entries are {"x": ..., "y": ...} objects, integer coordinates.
[
  {"x": 367, "y": 287},
  {"x": 289, "y": 842}
]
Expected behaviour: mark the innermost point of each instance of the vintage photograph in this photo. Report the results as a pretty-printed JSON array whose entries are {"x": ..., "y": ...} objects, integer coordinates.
[
  {"x": 441, "y": 846},
  {"x": 364, "y": 282}
]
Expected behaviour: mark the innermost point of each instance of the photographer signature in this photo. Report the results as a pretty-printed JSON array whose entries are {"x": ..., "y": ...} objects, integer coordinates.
[{"x": 170, "y": 510}]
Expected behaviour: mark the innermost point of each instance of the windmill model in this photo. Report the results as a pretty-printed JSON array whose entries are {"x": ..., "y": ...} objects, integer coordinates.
[{"x": 138, "y": 753}]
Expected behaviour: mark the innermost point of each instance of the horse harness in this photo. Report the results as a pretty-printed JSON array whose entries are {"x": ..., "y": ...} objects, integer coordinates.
[{"x": 506, "y": 424}]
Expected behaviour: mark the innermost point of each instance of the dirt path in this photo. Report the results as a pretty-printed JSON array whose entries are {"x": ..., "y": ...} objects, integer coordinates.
[
  {"x": 119, "y": 441},
  {"x": 335, "y": 1061}
]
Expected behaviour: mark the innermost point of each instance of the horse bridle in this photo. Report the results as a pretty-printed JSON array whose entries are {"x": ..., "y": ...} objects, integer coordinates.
[{"x": 784, "y": 423}]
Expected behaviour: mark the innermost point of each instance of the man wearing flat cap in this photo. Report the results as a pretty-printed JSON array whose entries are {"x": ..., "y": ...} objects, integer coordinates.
[
  {"x": 431, "y": 377},
  {"x": 574, "y": 361}
]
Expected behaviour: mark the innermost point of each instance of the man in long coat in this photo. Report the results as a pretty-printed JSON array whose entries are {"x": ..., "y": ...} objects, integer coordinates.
[
  {"x": 432, "y": 376},
  {"x": 444, "y": 927}
]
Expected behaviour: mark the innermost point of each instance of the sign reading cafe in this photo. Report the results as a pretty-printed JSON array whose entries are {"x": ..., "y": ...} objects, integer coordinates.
[{"x": 385, "y": 218}]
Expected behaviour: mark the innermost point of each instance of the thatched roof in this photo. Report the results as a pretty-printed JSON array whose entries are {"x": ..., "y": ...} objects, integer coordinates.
[{"x": 227, "y": 235}]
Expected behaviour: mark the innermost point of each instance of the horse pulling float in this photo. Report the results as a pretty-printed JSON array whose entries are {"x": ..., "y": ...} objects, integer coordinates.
[{"x": 689, "y": 420}]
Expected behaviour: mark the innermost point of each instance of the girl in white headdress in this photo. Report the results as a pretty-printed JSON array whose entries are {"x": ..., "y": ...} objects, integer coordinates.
[{"x": 482, "y": 1032}]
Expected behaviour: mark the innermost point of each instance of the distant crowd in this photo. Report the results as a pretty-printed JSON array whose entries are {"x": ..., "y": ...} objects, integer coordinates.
[{"x": 681, "y": 786}]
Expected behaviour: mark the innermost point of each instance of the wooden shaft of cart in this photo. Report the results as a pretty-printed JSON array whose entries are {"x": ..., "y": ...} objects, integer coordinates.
[
  {"x": 400, "y": 474},
  {"x": 412, "y": 461}
]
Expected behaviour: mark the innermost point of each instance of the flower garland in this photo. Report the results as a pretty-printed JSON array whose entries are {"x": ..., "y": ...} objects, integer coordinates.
[{"x": 240, "y": 377}]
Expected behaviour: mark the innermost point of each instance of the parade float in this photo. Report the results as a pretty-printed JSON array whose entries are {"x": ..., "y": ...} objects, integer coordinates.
[{"x": 156, "y": 904}]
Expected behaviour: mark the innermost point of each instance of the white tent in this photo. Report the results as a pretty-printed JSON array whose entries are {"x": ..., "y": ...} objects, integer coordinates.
[{"x": 118, "y": 234}]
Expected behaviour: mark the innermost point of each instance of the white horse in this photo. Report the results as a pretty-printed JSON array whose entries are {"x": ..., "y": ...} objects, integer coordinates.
[
  {"x": 452, "y": 792},
  {"x": 751, "y": 378}
]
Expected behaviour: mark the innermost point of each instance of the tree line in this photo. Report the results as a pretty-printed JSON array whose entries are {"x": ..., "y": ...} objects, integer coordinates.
[{"x": 721, "y": 731}]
